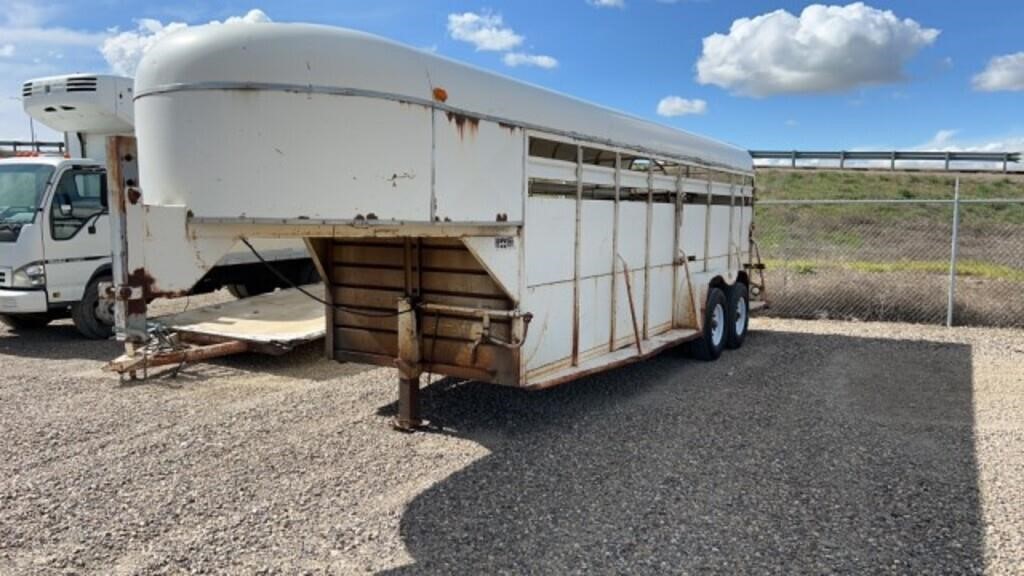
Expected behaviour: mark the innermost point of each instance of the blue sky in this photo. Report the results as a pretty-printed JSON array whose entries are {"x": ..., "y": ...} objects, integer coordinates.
[{"x": 847, "y": 76}]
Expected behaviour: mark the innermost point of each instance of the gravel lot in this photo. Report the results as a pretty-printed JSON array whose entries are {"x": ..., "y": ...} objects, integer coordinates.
[{"x": 819, "y": 447}]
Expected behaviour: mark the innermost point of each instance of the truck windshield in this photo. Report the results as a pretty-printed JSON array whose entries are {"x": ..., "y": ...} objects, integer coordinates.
[{"x": 21, "y": 190}]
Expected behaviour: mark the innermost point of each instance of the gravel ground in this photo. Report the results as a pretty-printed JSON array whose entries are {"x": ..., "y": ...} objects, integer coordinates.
[{"x": 819, "y": 447}]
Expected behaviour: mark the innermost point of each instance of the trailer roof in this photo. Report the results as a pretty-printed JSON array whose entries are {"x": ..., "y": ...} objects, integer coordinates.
[{"x": 313, "y": 58}]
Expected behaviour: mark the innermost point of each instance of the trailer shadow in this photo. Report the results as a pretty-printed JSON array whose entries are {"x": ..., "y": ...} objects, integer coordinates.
[
  {"x": 59, "y": 341},
  {"x": 798, "y": 453}
]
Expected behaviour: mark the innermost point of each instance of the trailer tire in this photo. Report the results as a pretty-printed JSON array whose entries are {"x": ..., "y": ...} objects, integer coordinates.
[
  {"x": 308, "y": 274},
  {"x": 738, "y": 317},
  {"x": 93, "y": 318},
  {"x": 25, "y": 322},
  {"x": 711, "y": 343}
]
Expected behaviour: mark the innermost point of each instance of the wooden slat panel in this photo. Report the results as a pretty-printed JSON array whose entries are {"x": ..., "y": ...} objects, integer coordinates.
[
  {"x": 368, "y": 297},
  {"x": 433, "y": 258},
  {"x": 377, "y": 323},
  {"x": 458, "y": 328},
  {"x": 486, "y": 303},
  {"x": 454, "y": 283},
  {"x": 385, "y": 278},
  {"x": 461, "y": 354},
  {"x": 366, "y": 342},
  {"x": 374, "y": 255}
]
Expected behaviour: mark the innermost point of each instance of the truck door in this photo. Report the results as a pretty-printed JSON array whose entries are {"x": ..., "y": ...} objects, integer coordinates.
[{"x": 77, "y": 232}]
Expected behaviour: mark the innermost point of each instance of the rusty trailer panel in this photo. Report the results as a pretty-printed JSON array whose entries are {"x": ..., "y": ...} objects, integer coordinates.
[{"x": 370, "y": 277}]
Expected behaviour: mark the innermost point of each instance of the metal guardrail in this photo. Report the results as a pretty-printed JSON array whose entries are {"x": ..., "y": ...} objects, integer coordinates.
[{"x": 891, "y": 156}]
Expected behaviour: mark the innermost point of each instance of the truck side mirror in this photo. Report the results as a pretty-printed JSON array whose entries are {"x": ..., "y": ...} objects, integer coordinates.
[{"x": 63, "y": 204}]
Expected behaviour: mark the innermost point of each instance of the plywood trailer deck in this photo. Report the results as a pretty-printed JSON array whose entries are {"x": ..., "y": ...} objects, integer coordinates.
[{"x": 465, "y": 223}]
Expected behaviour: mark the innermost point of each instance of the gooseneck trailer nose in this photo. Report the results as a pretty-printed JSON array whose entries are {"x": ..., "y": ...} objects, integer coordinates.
[{"x": 465, "y": 223}]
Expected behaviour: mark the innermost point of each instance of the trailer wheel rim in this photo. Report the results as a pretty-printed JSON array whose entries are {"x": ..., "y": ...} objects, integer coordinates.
[
  {"x": 741, "y": 316},
  {"x": 104, "y": 313},
  {"x": 717, "y": 324}
]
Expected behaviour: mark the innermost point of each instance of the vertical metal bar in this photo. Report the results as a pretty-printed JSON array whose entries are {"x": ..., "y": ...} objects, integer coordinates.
[
  {"x": 732, "y": 215},
  {"x": 322, "y": 251},
  {"x": 407, "y": 264},
  {"x": 647, "y": 247},
  {"x": 947, "y": 162},
  {"x": 127, "y": 229},
  {"x": 677, "y": 223},
  {"x": 409, "y": 369},
  {"x": 792, "y": 159},
  {"x": 632, "y": 308},
  {"x": 953, "y": 253},
  {"x": 615, "y": 250},
  {"x": 576, "y": 259},
  {"x": 842, "y": 159},
  {"x": 521, "y": 358},
  {"x": 892, "y": 160},
  {"x": 707, "y": 222},
  {"x": 1006, "y": 163},
  {"x": 433, "y": 163}
]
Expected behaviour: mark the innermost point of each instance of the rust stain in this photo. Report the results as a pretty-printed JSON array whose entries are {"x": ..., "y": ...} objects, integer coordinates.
[
  {"x": 510, "y": 127},
  {"x": 440, "y": 94},
  {"x": 461, "y": 122},
  {"x": 134, "y": 195},
  {"x": 140, "y": 278}
]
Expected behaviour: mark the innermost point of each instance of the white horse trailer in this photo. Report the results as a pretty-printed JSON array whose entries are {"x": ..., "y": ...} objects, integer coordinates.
[{"x": 465, "y": 223}]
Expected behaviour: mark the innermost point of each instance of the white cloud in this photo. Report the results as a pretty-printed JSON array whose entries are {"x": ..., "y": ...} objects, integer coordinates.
[
  {"x": 946, "y": 141},
  {"x": 485, "y": 31},
  {"x": 825, "y": 49},
  {"x": 7, "y": 51},
  {"x": 607, "y": 3},
  {"x": 1002, "y": 73},
  {"x": 677, "y": 106},
  {"x": 124, "y": 51},
  {"x": 514, "y": 59},
  {"x": 25, "y": 23}
]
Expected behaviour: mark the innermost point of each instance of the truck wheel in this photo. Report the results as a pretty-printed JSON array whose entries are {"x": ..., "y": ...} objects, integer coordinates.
[
  {"x": 738, "y": 317},
  {"x": 251, "y": 288},
  {"x": 23, "y": 322},
  {"x": 709, "y": 346},
  {"x": 308, "y": 274},
  {"x": 238, "y": 290},
  {"x": 93, "y": 317}
]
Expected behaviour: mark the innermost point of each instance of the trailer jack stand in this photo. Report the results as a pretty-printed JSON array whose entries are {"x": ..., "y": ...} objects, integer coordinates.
[
  {"x": 409, "y": 369},
  {"x": 408, "y": 418}
]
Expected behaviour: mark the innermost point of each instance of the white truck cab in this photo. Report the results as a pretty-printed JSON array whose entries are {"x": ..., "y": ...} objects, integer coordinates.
[{"x": 55, "y": 239}]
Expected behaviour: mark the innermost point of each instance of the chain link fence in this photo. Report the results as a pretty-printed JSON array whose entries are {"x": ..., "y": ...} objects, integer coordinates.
[{"x": 906, "y": 255}]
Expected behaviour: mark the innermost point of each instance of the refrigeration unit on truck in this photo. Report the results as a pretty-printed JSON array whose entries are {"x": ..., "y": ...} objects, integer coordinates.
[
  {"x": 466, "y": 224},
  {"x": 55, "y": 243}
]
